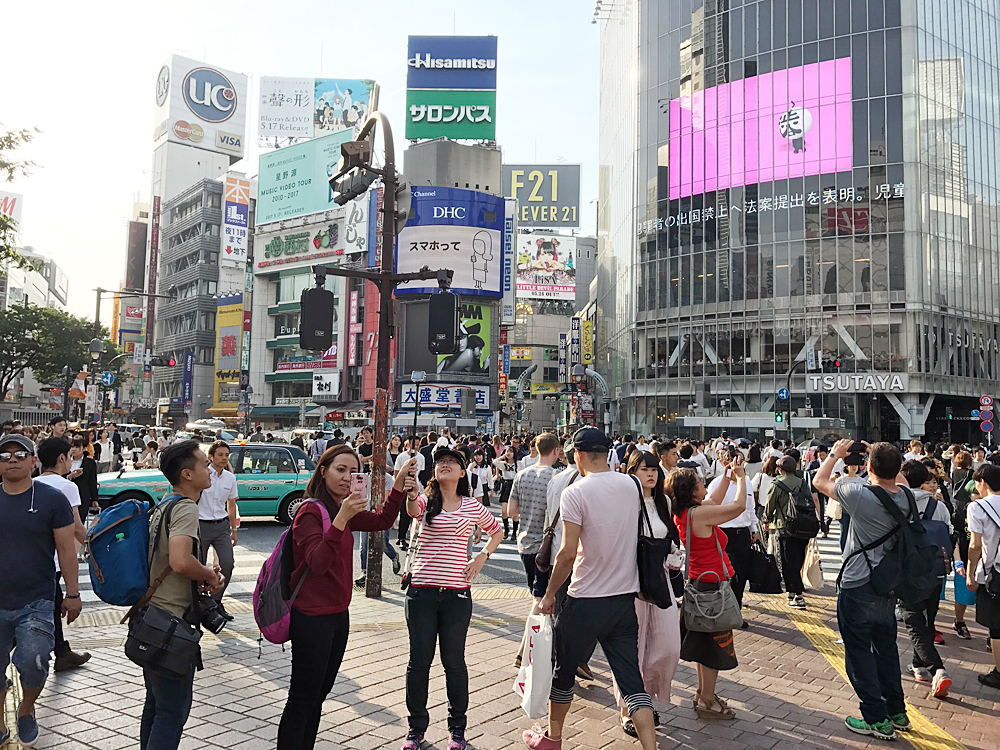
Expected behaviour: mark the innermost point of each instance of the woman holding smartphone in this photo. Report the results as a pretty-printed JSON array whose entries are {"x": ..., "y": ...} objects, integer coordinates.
[
  {"x": 323, "y": 545},
  {"x": 439, "y": 599}
]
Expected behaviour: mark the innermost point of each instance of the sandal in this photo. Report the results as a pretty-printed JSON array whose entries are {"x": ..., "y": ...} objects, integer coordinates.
[
  {"x": 716, "y": 709},
  {"x": 517, "y": 662},
  {"x": 628, "y": 727}
]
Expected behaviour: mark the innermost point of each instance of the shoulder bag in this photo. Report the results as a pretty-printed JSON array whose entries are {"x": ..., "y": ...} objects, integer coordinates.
[
  {"x": 712, "y": 611},
  {"x": 651, "y": 556},
  {"x": 764, "y": 575},
  {"x": 543, "y": 558},
  {"x": 158, "y": 640}
]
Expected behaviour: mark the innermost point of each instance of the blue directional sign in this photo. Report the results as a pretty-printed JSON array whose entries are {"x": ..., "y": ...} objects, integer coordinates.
[
  {"x": 783, "y": 394},
  {"x": 107, "y": 378},
  {"x": 975, "y": 413}
]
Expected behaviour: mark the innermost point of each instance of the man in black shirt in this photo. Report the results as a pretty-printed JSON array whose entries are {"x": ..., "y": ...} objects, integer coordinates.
[
  {"x": 366, "y": 445},
  {"x": 428, "y": 453}
]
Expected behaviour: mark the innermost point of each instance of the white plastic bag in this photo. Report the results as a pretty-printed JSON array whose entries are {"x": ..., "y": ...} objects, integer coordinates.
[{"x": 534, "y": 681}]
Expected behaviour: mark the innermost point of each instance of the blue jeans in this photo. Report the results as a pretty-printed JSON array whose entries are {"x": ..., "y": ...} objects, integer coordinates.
[
  {"x": 868, "y": 626},
  {"x": 387, "y": 549},
  {"x": 32, "y": 627},
  {"x": 168, "y": 703}
]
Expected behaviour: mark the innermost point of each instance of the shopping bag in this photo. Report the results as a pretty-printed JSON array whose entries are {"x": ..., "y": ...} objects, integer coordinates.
[
  {"x": 534, "y": 680},
  {"x": 812, "y": 571},
  {"x": 765, "y": 578}
]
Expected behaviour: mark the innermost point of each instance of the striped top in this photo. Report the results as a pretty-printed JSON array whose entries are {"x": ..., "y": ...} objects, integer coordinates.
[{"x": 441, "y": 555}]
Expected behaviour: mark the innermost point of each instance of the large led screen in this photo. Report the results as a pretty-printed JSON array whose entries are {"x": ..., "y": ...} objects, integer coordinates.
[{"x": 790, "y": 123}]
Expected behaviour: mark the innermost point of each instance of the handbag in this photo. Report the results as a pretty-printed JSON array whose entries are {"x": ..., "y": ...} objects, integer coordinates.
[
  {"x": 543, "y": 558},
  {"x": 812, "y": 570},
  {"x": 651, "y": 556},
  {"x": 711, "y": 611},
  {"x": 764, "y": 576}
]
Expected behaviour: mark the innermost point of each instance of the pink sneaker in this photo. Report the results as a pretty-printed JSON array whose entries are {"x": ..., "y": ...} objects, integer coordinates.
[{"x": 536, "y": 739}]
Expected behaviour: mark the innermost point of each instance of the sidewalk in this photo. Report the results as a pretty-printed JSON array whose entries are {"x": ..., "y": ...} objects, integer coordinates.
[{"x": 787, "y": 691}]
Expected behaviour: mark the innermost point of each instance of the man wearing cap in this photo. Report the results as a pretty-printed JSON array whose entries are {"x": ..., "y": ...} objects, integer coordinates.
[
  {"x": 600, "y": 519},
  {"x": 38, "y": 523}
]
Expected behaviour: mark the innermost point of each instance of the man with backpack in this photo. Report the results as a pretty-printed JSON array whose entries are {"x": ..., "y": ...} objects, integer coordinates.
[
  {"x": 318, "y": 447},
  {"x": 173, "y": 555},
  {"x": 787, "y": 500},
  {"x": 919, "y": 617},
  {"x": 865, "y": 611},
  {"x": 984, "y": 560}
]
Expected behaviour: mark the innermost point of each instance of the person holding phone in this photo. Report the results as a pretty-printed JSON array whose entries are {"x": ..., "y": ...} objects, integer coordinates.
[
  {"x": 320, "y": 621},
  {"x": 438, "y": 605}
]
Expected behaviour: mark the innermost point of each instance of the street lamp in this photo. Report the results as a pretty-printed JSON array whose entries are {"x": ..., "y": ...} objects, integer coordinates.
[{"x": 96, "y": 349}]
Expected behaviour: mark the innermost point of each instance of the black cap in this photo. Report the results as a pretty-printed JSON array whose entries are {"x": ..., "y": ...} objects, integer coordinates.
[
  {"x": 21, "y": 440},
  {"x": 590, "y": 440},
  {"x": 457, "y": 455}
]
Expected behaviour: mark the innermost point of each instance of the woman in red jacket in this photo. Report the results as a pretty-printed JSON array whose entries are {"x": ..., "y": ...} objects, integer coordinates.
[{"x": 320, "y": 621}]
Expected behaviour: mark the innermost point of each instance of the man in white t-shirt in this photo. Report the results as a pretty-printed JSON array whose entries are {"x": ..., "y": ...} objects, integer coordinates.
[
  {"x": 600, "y": 518},
  {"x": 53, "y": 455},
  {"x": 984, "y": 548},
  {"x": 916, "y": 451},
  {"x": 218, "y": 517}
]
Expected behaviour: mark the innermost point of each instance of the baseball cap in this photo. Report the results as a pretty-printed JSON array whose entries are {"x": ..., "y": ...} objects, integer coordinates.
[
  {"x": 787, "y": 464},
  {"x": 21, "y": 440},
  {"x": 457, "y": 455},
  {"x": 590, "y": 440}
]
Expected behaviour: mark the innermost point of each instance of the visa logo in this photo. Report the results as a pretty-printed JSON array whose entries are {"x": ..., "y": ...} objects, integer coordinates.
[{"x": 229, "y": 141}]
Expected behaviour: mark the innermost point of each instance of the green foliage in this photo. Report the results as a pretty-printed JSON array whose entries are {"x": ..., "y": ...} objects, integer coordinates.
[{"x": 10, "y": 142}]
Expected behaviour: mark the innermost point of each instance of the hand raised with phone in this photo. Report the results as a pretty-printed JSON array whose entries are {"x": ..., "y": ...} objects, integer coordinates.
[
  {"x": 351, "y": 506},
  {"x": 406, "y": 477}
]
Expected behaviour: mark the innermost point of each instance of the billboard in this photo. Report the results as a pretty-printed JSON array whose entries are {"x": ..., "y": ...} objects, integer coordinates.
[
  {"x": 10, "y": 205},
  {"x": 286, "y": 107},
  {"x": 320, "y": 238},
  {"x": 135, "y": 260},
  {"x": 201, "y": 106},
  {"x": 546, "y": 266},
  {"x": 451, "y": 86},
  {"x": 236, "y": 222},
  {"x": 442, "y": 396},
  {"x": 789, "y": 123},
  {"x": 341, "y": 104},
  {"x": 548, "y": 195},
  {"x": 473, "y": 355},
  {"x": 229, "y": 328},
  {"x": 456, "y": 229},
  {"x": 294, "y": 181}
]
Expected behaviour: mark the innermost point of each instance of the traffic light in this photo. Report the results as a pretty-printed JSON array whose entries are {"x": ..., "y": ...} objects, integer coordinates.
[
  {"x": 162, "y": 362},
  {"x": 949, "y": 412},
  {"x": 779, "y": 417},
  {"x": 836, "y": 363},
  {"x": 316, "y": 316},
  {"x": 443, "y": 323}
]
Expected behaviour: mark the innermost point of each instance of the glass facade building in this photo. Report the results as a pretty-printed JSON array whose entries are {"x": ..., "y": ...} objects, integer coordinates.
[{"x": 804, "y": 186}]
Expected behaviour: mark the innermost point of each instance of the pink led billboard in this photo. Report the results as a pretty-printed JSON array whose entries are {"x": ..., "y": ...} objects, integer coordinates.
[{"x": 790, "y": 123}]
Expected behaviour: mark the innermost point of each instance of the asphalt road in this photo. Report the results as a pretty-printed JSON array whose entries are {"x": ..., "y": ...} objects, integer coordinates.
[{"x": 259, "y": 535}]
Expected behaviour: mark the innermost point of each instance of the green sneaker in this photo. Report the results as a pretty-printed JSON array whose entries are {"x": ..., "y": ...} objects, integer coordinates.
[
  {"x": 884, "y": 730},
  {"x": 901, "y": 722}
]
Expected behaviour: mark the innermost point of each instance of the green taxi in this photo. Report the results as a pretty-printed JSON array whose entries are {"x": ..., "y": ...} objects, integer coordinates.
[{"x": 271, "y": 478}]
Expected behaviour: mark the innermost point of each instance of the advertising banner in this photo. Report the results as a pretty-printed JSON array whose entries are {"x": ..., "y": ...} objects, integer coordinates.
[
  {"x": 10, "y": 205},
  {"x": 342, "y": 104},
  {"x": 320, "y": 238},
  {"x": 502, "y": 376},
  {"x": 546, "y": 266},
  {"x": 442, "y": 396},
  {"x": 294, "y": 181},
  {"x": 451, "y": 62},
  {"x": 201, "y": 106},
  {"x": 356, "y": 225},
  {"x": 506, "y": 359},
  {"x": 548, "y": 195},
  {"x": 286, "y": 107},
  {"x": 473, "y": 356},
  {"x": 456, "y": 229},
  {"x": 520, "y": 352},
  {"x": 563, "y": 358},
  {"x": 135, "y": 261},
  {"x": 790, "y": 123},
  {"x": 574, "y": 343},
  {"x": 229, "y": 328},
  {"x": 436, "y": 113},
  {"x": 587, "y": 343},
  {"x": 326, "y": 385},
  {"x": 509, "y": 270},
  {"x": 236, "y": 222},
  {"x": 154, "y": 247},
  {"x": 187, "y": 384},
  {"x": 353, "y": 329}
]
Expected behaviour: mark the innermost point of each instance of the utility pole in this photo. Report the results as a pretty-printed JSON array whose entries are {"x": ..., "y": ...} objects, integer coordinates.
[
  {"x": 357, "y": 156},
  {"x": 788, "y": 387}
]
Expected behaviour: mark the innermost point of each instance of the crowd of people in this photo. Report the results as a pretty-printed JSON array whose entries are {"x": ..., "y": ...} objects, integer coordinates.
[{"x": 575, "y": 507}]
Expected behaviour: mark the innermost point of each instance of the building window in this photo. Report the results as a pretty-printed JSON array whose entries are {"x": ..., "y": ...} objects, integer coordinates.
[{"x": 550, "y": 374}]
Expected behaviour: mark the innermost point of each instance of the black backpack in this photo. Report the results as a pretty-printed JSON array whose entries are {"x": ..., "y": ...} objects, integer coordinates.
[
  {"x": 914, "y": 566},
  {"x": 804, "y": 523}
]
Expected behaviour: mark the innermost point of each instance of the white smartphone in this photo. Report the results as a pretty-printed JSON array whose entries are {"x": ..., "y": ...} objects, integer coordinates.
[{"x": 360, "y": 484}]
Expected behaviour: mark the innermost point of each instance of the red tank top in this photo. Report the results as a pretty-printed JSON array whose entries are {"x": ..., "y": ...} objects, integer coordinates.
[{"x": 703, "y": 554}]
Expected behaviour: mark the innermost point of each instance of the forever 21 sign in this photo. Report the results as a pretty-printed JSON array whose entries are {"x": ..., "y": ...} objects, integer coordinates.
[{"x": 861, "y": 382}]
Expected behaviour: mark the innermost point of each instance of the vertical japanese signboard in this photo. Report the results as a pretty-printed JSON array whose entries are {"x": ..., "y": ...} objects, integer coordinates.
[
  {"x": 236, "y": 222},
  {"x": 587, "y": 343},
  {"x": 574, "y": 342},
  {"x": 353, "y": 329},
  {"x": 187, "y": 383},
  {"x": 563, "y": 355}
]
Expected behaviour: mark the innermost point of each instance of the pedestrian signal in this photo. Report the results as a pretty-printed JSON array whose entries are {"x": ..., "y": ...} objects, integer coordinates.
[{"x": 779, "y": 416}]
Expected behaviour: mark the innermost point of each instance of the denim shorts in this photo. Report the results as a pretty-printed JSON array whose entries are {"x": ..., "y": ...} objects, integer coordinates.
[{"x": 33, "y": 627}]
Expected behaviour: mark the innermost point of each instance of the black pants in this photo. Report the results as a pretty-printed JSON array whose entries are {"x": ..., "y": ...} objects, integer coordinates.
[
  {"x": 168, "y": 703},
  {"x": 919, "y": 621},
  {"x": 62, "y": 645},
  {"x": 437, "y": 615},
  {"x": 318, "y": 645},
  {"x": 793, "y": 555},
  {"x": 402, "y": 538},
  {"x": 738, "y": 549}
]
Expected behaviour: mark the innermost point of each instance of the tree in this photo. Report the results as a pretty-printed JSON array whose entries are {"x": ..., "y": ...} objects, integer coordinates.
[
  {"x": 10, "y": 142},
  {"x": 19, "y": 347}
]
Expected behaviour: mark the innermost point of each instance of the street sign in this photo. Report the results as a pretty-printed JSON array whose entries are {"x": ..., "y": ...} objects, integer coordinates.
[
  {"x": 975, "y": 412},
  {"x": 986, "y": 401},
  {"x": 986, "y": 416},
  {"x": 986, "y": 426},
  {"x": 783, "y": 394},
  {"x": 107, "y": 378}
]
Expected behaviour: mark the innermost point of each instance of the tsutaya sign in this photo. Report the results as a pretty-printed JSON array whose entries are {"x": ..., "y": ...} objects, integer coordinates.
[{"x": 861, "y": 382}]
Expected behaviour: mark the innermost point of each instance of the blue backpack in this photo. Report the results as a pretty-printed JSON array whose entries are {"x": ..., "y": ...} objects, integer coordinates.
[{"x": 118, "y": 546}]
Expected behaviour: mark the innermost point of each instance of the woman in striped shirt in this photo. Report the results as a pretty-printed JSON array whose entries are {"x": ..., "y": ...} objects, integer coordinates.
[{"x": 439, "y": 599}]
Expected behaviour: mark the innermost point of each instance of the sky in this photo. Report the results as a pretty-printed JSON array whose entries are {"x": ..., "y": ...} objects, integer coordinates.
[{"x": 85, "y": 74}]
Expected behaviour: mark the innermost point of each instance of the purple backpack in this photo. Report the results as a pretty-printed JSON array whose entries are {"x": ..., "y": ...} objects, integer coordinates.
[{"x": 272, "y": 596}]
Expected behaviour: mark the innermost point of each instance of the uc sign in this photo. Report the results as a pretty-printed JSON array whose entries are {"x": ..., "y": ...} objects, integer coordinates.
[{"x": 209, "y": 94}]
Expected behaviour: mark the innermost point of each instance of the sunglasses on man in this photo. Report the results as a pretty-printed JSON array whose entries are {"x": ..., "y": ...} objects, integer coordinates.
[{"x": 8, "y": 456}]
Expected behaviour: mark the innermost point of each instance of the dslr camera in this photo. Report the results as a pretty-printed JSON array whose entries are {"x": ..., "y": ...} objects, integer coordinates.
[{"x": 205, "y": 612}]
